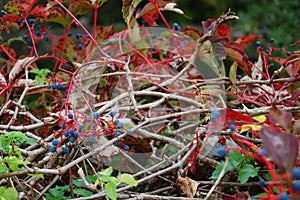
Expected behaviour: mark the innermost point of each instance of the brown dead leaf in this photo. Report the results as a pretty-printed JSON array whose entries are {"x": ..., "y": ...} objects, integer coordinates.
[
  {"x": 19, "y": 66},
  {"x": 187, "y": 185}
]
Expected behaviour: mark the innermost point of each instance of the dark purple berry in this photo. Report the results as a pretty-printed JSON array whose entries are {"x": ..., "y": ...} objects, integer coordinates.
[
  {"x": 69, "y": 34},
  {"x": 272, "y": 40},
  {"x": 46, "y": 38},
  {"x": 78, "y": 35}
]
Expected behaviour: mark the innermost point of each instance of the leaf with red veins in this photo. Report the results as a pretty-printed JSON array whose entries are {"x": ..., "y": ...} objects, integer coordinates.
[
  {"x": 246, "y": 39},
  {"x": 40, "y": 11},
  {"x": 10, "y": 18},
  {"x": 223, "y": 31},
  {"x": 103, "y": 32},
  {"x": 235, "y": 52},
  {"x": 192, "y": 32}
]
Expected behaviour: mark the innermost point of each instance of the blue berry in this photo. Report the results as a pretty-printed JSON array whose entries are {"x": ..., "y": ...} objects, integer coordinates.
[
  {"x": 70, "y": 34},
  {"x": 39, "y": 106},
  {"x": 65, "y": 150},
  {"x": 96, "y": 115},
  {"x": 92, "y": 139},
  {"x": 25, "y": 36},
  {"x": 289, "y": 53},
  {"x": 261, "y": 152},
  {"x": 80, "y": 47},
  {"x": 52, "y": 148},
  {"x": 214, "y": 115},
  {"x": 74, "y": 58},
  {"x": 272, "y": 40},
  {"x": 118, "y": 133},
  {"x": 72, "y": 139},
  {"x": 112, "y": 113},
  {"x": 261, "y": 182},
  {"x": 71, "y": 131},
  {"x": 31, "y": 21},
  {"x": 296, "y": 173},
  {"x": 46, "y": 38},
  {"x": 267, "y": 51},
  {"x": 63, "y": 126},
  {"x": 75, "y": 134},
  {"x": 129, "y": 131},
  {"x": 283, "y": 196},
  {"x": 67, "y": 133},
  {"x": 70, "y": 116},
  {"x": 120, "y": 125},
  {"x": 221, "y": 152},
  {"x": 55, "y": 142},
  {"x": 116, "y": 122},
  {"x": 38, "y": 33},
  {"x": 176, "y": 27},
  {"x": 258, "y": 43},
  {"x": 296, "y": 186},
  {"x": 126, "y": 147},
  {"x": 232, "y": 127},
  {"x": 78, "y": 35},
  {"x": 28, "y": 47},
  {"x": 272, "y": 65},
  {"x": 80, "y": 127}
]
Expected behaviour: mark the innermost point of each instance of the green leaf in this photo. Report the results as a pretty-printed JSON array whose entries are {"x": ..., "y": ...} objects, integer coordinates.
[
  {"x": 246, "y": 171},
  {"x": 78, "y": 183},
  {"x": 232, "y": 72},
  {"x": 68, "y": 48},
  {"x": 40, "y": 80},
  {"x": 107, "y": 179},
  {"x": 37, "y": 175},
  {"x": 59, "y": 191},
  {"x": 128, "y": 179},
  {"x": 106, "y": 172},
  {"x": 5, "y": 142},
  {"x": 219, "y": 168},
  {"x": 110, "y": 189},
  {"x": 8, "y": 193},
  {"x": 3, "y": 169},
  {"x": 236, "y": 157},
  {"x": 82, "y": 192},
  {"x": 14, "y": 162}
]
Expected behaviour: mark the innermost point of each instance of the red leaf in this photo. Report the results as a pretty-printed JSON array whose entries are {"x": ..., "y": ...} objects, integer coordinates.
[
  {"x": 151, "y": 18},
  {"x": 282, "y": 118},
  {"x": 25, "y": 6},
  {"x": 191, "y": 32},
  {"x": 296, "y": 95},
  {"x": 11, "y": 18},
  {"x": 278, "y": 60},
  {"x": 68, "y": 48},
  {"x": 246, "y": 39},
  {"x": 282, "y": 148},
  {"x": 103, "y": 32},
  {"x": 3, "y": 82},
  {"x": 39, "y": 11},
  {"x": 236, "y": 53},
  {"x": 234, "y": 116},
  {"x": 293, "y": 69},
  {"x": 223, "y": 31}
]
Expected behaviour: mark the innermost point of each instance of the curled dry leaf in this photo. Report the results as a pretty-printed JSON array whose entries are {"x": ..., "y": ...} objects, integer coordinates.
[
  {"x": 19, "y": 66},
  {"x": 2, "y": 81},
  {"x": 187, "y": 185}
]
